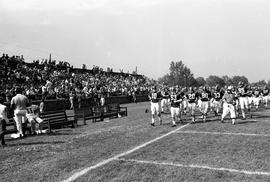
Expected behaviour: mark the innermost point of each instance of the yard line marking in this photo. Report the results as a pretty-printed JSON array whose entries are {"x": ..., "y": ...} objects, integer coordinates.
[
  {"x": 198, "y": 166},
  {"x": 84, "y": 171},
  {"x": 223, "y": 133}
]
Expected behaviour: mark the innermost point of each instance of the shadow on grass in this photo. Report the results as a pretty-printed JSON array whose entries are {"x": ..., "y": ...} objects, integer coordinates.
[
  {"x": 34, "y": 143},
  {"x": 257, "y": 116},
  {"x": 245, "y": 121},
  {"x": 61, "y": 133}
]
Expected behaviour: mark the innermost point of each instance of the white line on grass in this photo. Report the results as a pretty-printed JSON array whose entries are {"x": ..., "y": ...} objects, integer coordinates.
[
  {"x": 198, "y": 166},
  {"x": 224, "y": 133},
  {"x": 86, "y": 170}
]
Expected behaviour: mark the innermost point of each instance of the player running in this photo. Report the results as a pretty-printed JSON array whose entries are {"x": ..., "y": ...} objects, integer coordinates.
[
  {"x": 176, "y": 99},
  {"x": 217, "y": 95},
  {"x": 205, "y": 97},
  {"x": 154, "y": 97},
  {"x": 165, "y": 99},
  {"x": 192, "y": 98},
  {"x": 256, "y": 97}
]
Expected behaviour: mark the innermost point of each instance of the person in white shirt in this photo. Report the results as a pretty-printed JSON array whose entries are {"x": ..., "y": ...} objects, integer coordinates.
[
  {"x": 3, "y": 121},
  {"x": 19, "y": 103}
]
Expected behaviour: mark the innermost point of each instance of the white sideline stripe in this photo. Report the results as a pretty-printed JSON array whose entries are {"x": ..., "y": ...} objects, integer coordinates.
[
  {"x": 84, "y": 171},
  {"x": 223, "y": 133},
  {"x": 198, "y": 166}
]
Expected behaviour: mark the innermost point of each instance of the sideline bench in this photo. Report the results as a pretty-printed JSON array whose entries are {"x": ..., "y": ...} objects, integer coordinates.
[
  {"x": 87, "y": 113},
  {"x": 122, "y": 111},
  {"x": 100, "y": 113},
  {"x": 113, "y": 111},
  {"x": 57, "y": 119}
]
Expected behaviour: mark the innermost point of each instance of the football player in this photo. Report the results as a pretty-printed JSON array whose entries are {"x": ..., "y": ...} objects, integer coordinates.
[
  {"x": 205, "y": 97},
  {"x": 154, "y": 97},
  {"x": 250, "y": 97},
  {"x": 228, "y": 106},
  {"x": 256, "y": 97},
  {"x": 236, "y": 96},
  {"x": 192, "y": 98},
  {"x": 165, "y": 99},
  {"x": 265, "y": 94},
  {"x": 176, "y": 99},
  {"x": 243, "y": 99},
  {"x": 217, "y": 95}
]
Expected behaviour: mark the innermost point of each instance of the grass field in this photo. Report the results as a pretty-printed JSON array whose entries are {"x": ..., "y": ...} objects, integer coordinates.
[{"x": 129, "y": 149}]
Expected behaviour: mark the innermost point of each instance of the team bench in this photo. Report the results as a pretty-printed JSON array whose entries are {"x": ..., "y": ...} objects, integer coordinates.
[
  {"x": 99, "y": 113},
  {"x": 12, "y": 128},
  {"x": 57, "y": 119}
]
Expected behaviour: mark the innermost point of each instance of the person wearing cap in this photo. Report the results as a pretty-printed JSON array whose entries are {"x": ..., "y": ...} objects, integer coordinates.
[
  {"x": 19, "y": 103},
  {"x": 228, "y": 105},
  {"x": 3, "y": 121}
]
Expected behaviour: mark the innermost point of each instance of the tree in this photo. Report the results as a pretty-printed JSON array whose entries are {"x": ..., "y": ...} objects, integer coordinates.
[
  {"x": 179, "y": 74},
  {"x": 237, "y": 79},
  {"x": 260, "y": 83},
  {"x": 227, "y": 80},
  {"x": 200, "y": 81},
  {"x": 213, "y": 80},
  {"x": 166, "y": 79}
]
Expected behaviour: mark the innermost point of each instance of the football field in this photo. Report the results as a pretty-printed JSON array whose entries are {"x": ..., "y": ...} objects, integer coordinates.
[
  {"x": 194, "y": 152},
  {"x": 129, "y": 149}
]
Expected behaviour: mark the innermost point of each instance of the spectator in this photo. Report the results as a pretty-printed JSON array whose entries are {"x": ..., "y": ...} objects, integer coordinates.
[{"x": 3, "y": 121}]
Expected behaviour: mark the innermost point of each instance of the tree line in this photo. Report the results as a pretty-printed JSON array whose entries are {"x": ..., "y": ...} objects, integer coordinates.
[{"x": 180, "y": 74}]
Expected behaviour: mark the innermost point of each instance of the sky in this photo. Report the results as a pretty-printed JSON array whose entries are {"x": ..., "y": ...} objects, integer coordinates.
[{"x": 211, "y": 37}]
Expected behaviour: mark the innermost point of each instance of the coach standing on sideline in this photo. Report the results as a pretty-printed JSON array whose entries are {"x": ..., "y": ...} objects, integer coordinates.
[
  {"x": 3, "y": 121},
  {"x": 19, "y": 103}
]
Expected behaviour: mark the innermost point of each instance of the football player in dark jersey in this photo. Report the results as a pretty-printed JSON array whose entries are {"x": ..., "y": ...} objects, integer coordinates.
[
  {"x": 165, "y": 99},
  {"x": 256, "y": 97},
  {"x": 192, "y": 98},
  {"x": 154, "y": 97},
  {"x": 236, "y": 96},
  {"x": 217, "y": 95},
  {"x": 250, "y": 91},
  {"x": 243, "y": 98},
  {"x": 265, "y": 94},
  {"x": 205, "y": 97},
  {"x": 176, "y": 99}
]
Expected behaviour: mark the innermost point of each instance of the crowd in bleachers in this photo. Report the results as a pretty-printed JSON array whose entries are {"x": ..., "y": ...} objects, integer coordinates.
[{"x": 51, "y": 80}]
